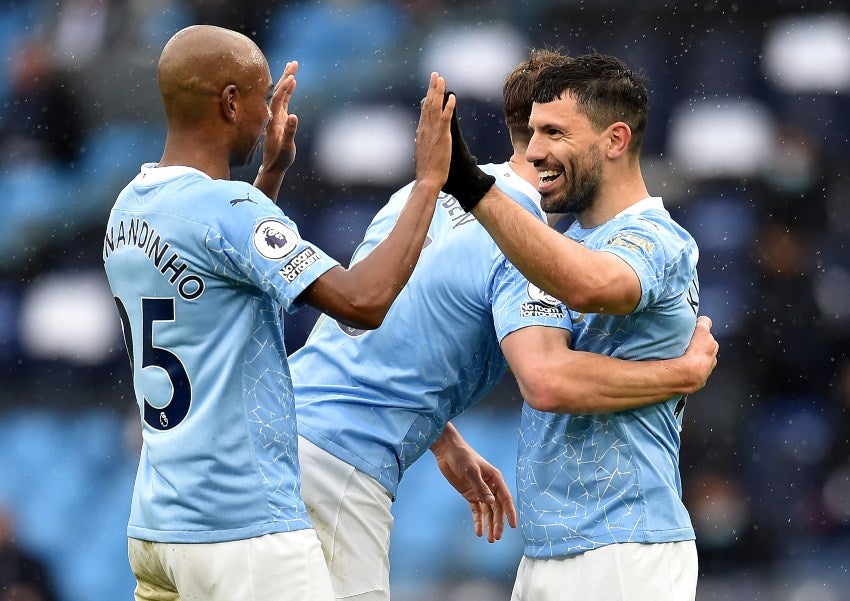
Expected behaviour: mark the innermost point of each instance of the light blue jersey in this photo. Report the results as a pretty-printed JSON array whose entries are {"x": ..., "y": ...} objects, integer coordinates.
[
  {"x": 200, "y": 270},
  {"x": 585, "y": 481},
  {"x": 379, "y": 399}
]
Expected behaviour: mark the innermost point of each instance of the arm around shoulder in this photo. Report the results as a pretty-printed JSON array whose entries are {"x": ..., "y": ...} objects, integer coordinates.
[{"x": 554, "y": 378}]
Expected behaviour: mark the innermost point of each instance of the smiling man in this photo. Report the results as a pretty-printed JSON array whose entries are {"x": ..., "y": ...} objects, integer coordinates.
[{"x": 599, "y": 495}]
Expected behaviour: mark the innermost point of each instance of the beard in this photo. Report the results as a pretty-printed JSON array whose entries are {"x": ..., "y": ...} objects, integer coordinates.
[
  {"x": 581, "y": 189},
  {"x": 243, "y": 156}
]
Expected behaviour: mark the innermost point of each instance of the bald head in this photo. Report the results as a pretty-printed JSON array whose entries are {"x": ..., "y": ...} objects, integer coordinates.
[{"x": 198, "y": 62}]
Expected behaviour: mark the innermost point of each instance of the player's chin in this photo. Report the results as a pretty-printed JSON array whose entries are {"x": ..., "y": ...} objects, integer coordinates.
[
  {"x": 240, "y": 159},
  {"x": 552, "y": 202}
]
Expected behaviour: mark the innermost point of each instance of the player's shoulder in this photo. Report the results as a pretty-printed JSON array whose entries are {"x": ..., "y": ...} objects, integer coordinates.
[
  {"x": 237, "y": 211},
  {"x": 238, "y": 197},
  {"x": 238, "y": 201},
  {"x": 398, "y": 198},
  {"x": 657, "y": 234},
  {"x": 517, "y": 188},
  {"x": 651, "y": 217},
  {"x": 192, "y": 191},
  {"x": 662, "y": 226}
]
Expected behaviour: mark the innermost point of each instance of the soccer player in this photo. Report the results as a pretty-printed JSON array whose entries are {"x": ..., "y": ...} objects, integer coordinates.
[
  {"x": 599, "y": 495},
  {"x": 201, "y": 268},
  {"x": 369, "y": 404}
]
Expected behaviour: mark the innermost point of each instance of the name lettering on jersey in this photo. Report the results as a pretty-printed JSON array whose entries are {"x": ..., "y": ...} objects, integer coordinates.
[
  {"x": 298, "y": 264},
  {"x": 139, "y": 234},
  {"x": 456, "y": 212},
  {"x": 542, "y": 305},
  {"x": 693, "y": 296}
]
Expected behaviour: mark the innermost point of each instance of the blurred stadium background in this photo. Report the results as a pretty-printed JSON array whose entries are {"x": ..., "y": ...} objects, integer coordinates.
[{"x": 747, "y": 143}]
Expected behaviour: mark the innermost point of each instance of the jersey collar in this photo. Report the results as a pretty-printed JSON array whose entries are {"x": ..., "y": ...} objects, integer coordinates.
[
  {"x": 153, "y": 174},
  {"x": 647, "y": 204},
  {"x": 511, "y": 176}
]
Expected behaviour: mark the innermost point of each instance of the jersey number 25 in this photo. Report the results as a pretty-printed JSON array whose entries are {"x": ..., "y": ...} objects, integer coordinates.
[{"x": 176, "y": 409}]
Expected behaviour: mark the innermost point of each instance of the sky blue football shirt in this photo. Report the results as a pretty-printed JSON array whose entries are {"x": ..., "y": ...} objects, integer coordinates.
[
  {"x": 200, "y": 270},
  {"x": 584, "y": 481}
]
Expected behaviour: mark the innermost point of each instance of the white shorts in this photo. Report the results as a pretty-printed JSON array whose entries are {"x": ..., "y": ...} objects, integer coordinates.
[
  {"x": 619, "y": 572},
  {"x": 276, "y": 567},
  {"x": 351, "y": 513}
]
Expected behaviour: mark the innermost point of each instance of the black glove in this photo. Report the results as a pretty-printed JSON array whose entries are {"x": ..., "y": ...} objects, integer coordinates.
[{"x": 466, "y": 181}]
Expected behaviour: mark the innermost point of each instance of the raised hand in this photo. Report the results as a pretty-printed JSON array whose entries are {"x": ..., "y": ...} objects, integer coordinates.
[
  {"x": 466, "y": 181},
  {"x": 433, "y": 138},
  {"x": 279, "y": 143}
]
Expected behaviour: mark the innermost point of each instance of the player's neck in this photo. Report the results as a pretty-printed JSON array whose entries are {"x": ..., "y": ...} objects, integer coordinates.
[
  {"x": 196, "y": 153},
  {"x": 213, "y": 168},
  {"x": 617, "y": 193},
  {"x": 522, "y": 167}
]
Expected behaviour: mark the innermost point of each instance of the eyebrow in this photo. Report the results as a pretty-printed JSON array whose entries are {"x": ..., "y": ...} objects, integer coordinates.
[{"x": 546, "y": 125}]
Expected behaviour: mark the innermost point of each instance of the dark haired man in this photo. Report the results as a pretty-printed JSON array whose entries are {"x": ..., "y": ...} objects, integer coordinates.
[{"x": 599, "y": 495}]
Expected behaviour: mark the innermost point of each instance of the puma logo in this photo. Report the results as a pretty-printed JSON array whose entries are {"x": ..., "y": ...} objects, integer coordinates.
[{"x": 236, "y": 201}]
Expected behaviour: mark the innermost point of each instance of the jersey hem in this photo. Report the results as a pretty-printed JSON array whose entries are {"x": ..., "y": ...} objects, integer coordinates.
[
  {"x": 579, "y": 546},
  {"x": 347, "y": 456},
  {"x": 216, "y": 536}
]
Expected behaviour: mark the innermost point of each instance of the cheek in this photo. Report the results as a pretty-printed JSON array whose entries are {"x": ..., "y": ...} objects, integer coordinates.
[
  {"x": 565, "y": 152},
  {"x": 261, "y": 120}
]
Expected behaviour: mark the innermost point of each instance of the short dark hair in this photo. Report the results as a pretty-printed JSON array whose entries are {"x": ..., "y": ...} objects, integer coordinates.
[
  {"x": 518, "y": 88},
  {"x": 604, "y": 88}
]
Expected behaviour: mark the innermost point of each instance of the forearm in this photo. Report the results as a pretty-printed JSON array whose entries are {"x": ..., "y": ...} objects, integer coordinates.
[
  {"x": 269, "y": 181},
  {"x": 361, "y": 295},
  {"x": 590, "y": 383},
  {"x": 381, "y": 275},
  {"x": 540, "y": 253},
  {"x": 450, "y": 438},
  {"x": 617, "y": 385},
  {"x": 582, "y": 278}
]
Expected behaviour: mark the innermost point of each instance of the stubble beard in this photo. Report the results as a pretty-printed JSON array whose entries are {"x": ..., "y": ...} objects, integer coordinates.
[
  {"x": 241, "y": 158},
  {"x": 581, "y": 191}
]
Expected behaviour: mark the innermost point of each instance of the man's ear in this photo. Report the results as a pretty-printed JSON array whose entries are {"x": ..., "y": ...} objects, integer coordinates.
[
  {"x": 619, "y": 135},
  {"x": 229, "y": 102}
]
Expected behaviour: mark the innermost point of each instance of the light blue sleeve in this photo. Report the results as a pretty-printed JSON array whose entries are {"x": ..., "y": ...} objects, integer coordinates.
[
  {"x": 272, "y": 256},
  {"x": 517, "y": 303},
  {"x": 643, "y": 245}
]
